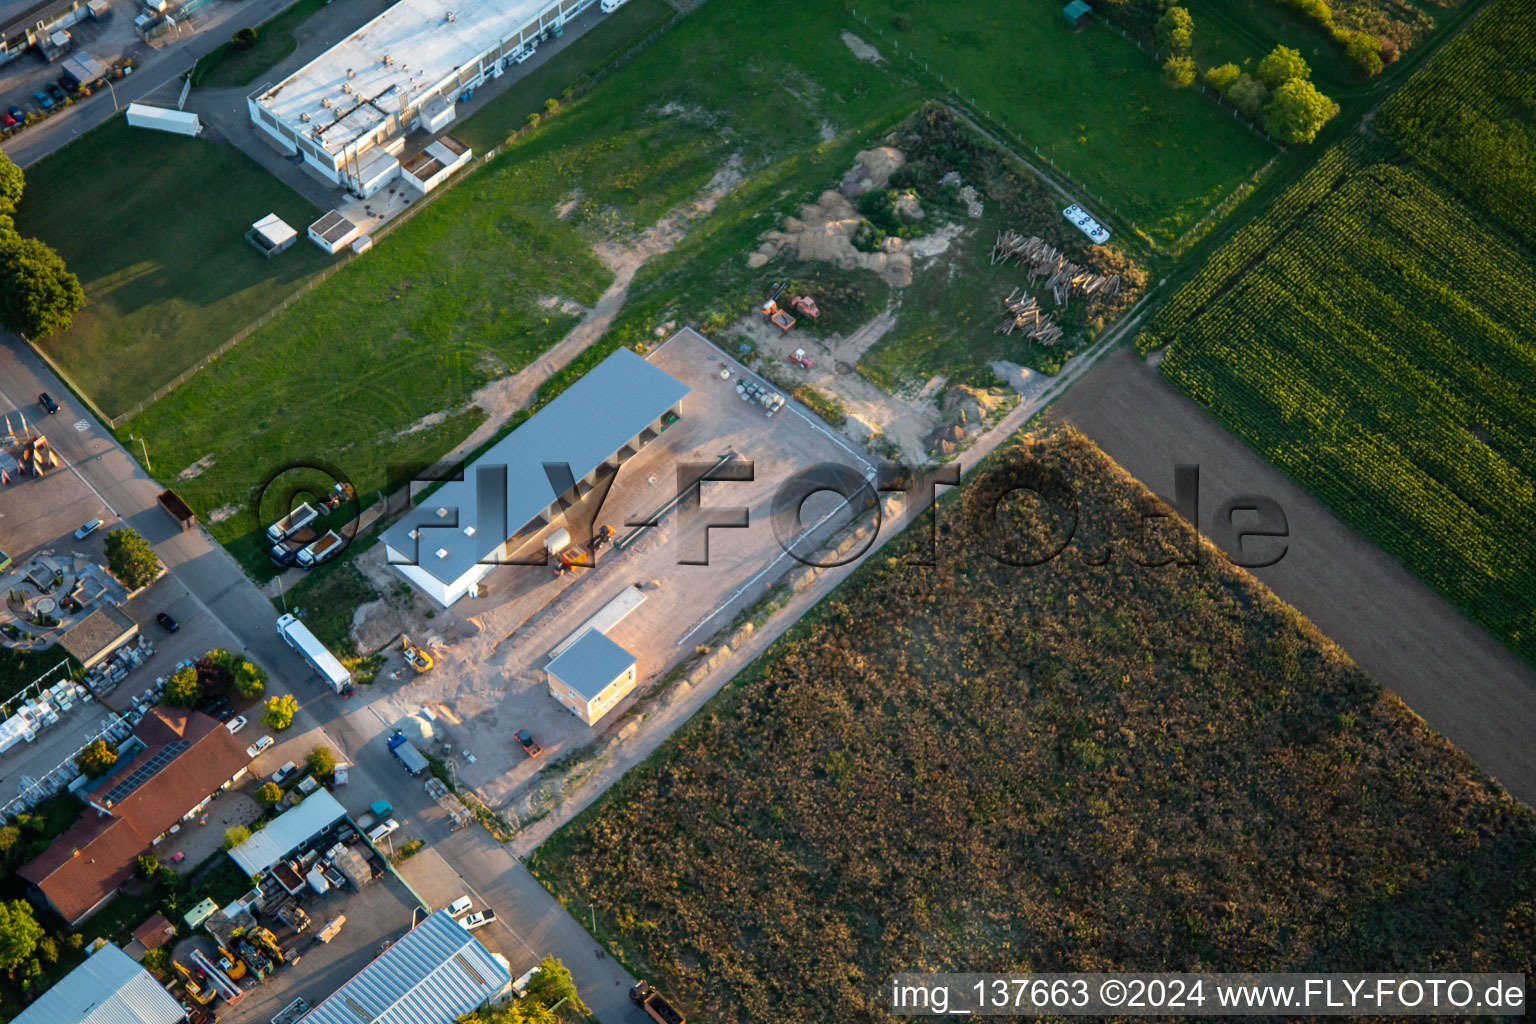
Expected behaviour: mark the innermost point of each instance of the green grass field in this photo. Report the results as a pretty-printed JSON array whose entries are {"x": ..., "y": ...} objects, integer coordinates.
[
  {"x": 231, "y": 65},
  {"x": 154, "y": 225},
  {"x": 1090, "y": 101},
  {"x": 1061, "y": 767}
]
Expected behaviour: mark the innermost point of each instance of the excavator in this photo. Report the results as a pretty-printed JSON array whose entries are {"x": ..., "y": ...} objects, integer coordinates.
[
  {"x": 776, "y": 314},
  {"x": 203, "y": 993},
  {"x": 420, "y": 660},
  {"x": 267, "y": 943}
]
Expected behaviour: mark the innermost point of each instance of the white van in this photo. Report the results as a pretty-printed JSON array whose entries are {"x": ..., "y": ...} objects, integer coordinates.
[
  {"x": 460, "y": 906},
  {"x": 380, "y": 831}
]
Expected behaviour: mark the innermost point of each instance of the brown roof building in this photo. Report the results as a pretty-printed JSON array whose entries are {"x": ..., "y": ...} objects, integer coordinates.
[{"x": 183, "y": 759}]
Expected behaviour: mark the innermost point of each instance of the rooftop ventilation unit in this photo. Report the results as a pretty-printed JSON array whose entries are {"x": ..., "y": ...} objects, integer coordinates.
[
  {"x": 325, "y": 102},
  {"x": 388, "y": 60},
  {"x": 346, "y": 87},
  {"x": 303, "y": 116},
  {"x": 451, "y": 16},
  {"x": 350, "y": 72}
]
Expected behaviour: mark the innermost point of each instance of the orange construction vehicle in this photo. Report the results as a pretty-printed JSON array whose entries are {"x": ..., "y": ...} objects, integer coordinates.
[{"x": 774, "y": 314}]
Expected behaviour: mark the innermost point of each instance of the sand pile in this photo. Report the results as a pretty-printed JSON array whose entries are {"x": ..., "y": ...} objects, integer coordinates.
[{"x": 824, "y": 232}]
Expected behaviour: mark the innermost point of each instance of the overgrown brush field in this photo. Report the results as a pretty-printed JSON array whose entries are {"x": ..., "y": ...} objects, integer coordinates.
[
  {"x": 987, "y": 767},
  {"x": 1470, "y": 117},
  {"x": 1372, "y": 337}
]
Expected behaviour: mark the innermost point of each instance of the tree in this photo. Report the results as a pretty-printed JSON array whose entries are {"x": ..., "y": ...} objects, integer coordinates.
[
  {"x": 11, "y": 183},
  {"x": 1248, "y": 95},
  {"x": 157, "y": 961},
  {"x": 1283, "y": 65},
  {"x": 269, "y": 794},
  {"x": 96, "y": 758},
  {"x": 1175, "y": 30},
  {"x": 1363, "y": 52},
  {"x": 184, "y": 689},
  {"x": 1179, "y": 72},
  {"x": 149, "y": 864},
  {"x": 554, "y": 983},
  {"x": 321, "y": 761},
  {"x": 279, "y": 711},
  {"x": 1297, "y": 111},
  {"x": 131, "y": 558},
  {"x": 235, "y": 835},
  {"x": 1222, "y": 76},
  {"x": 250, "y": 679},
  {"x": 19, "y": 934},
  {"x": 38, "y": 294}
]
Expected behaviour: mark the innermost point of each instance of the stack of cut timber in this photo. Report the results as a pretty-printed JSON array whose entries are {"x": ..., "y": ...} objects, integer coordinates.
[
  {"x": 1024, "y": 314},
  {"x": 1043, "y": 260}
]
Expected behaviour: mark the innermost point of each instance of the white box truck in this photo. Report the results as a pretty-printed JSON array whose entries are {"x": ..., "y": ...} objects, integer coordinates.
[{"x": 298, "y": 636}]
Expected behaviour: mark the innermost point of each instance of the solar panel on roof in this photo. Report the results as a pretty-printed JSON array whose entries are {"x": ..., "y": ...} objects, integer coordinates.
[{"x": 146, "y": 771}]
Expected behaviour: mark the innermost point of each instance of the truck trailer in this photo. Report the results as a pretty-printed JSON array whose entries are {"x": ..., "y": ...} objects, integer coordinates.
[
  {"x": 322, "y": 550},
  {"x": 406, "y": 753},
  {"x": 298, "y": 636},
  {"x": 292, "y": 523},
  {"x": 655, "y": 1007}
]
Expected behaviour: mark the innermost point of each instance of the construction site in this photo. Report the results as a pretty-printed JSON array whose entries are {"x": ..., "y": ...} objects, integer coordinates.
[{"x": 624, "y": 569}]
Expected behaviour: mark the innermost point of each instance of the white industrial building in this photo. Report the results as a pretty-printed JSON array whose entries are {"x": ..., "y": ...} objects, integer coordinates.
[
  {"x": 450, "y": 542},
  {"x": 348, "y": 110},
  {"x": 313, "y": 816},
  {"x": 109, "y": 988}
]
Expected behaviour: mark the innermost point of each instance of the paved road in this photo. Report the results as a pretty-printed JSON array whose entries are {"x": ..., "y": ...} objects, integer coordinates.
[
  {"x": 532, "y": 922},
  {"x": 205, "y": 32}
]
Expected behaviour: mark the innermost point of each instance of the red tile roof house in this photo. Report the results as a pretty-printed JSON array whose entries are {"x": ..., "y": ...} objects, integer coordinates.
[{"x": 183, "y": 759}]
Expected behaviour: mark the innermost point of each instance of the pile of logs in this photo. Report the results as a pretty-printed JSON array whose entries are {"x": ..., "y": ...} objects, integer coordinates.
[
  {"x": 1063, "y": 277},
  {"x": 1025, "y": 314}
]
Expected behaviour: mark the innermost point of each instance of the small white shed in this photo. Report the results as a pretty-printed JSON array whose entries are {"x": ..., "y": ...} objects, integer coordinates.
[{"x": 271, "y": 235}]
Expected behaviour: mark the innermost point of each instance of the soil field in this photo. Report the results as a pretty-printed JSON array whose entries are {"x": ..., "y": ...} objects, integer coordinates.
[
  {"x": 973, "y": 756},
  {"x": 1465, "y": 684}
]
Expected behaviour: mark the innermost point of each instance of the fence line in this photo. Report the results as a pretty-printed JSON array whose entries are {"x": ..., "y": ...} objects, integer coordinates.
[{"x": 571, "y": 92}]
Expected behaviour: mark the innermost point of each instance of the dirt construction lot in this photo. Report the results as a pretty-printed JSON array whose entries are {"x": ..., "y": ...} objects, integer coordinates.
[
  {"x": 489, "y": 681},
  {"x": 1464, "y": 683}
]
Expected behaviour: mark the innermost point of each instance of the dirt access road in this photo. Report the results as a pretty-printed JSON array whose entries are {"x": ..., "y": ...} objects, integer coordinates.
[{"x": 1464, "y": 683}]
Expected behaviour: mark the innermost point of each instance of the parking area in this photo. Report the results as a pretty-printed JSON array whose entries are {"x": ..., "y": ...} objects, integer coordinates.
[{"x": 489, "y": 678}]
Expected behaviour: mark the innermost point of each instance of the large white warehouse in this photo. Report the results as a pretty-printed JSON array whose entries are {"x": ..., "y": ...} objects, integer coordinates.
[{"x": 348, "y": 110}]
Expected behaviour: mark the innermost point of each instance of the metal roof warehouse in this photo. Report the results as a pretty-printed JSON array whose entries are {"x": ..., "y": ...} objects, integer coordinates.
[
  {"x": 433, "y": 974},
  {"x": 109, "y": 988},
  {"x": 450, "y": 542},
  {"x": 406, "y": 67},
  {"x": 287, "y": 832}
]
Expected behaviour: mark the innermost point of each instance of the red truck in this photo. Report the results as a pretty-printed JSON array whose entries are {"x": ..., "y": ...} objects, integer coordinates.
[{"x": 657, "y": 1008}]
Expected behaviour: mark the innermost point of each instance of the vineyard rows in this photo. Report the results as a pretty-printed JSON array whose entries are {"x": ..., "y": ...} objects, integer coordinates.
[
  {"x": 1470, "y": 117},
  {"x": 1373, "y": 337}
]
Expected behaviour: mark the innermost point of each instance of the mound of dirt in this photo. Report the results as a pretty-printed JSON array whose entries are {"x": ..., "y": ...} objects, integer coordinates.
[
  {"x": 824, "y": 232},
  {"x": 970, "y": 406}
]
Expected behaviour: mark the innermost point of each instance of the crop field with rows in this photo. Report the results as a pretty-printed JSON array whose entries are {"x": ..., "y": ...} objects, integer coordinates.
[
  {"x": 972, "y": 765},
  {"x": 1372, "y": 336},
  {"x": 1470, "y": 117}
]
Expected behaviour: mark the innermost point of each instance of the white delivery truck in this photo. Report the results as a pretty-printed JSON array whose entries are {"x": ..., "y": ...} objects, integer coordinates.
[{"x": 298, "y": 636}]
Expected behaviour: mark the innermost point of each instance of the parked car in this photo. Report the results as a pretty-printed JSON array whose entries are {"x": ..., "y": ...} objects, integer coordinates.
[
  {"x": 220, "y": 709},
  {"x": 284, "y": 773},
  {"x": 259, "y": 746},
  {"x": 16, "y": 112},
  {"x": 7, "y": 121},
  {"x": 234, "y": 725},
  {"x": 86, "y": 529},
  {"x": 167, "y": 623},
  {"x": 460, "y": 906},
  {"x": 55, "y": 92},
  {"x": 530, "y": 745},
  {"x": 46, "y": 401},
  {"x": 43, "y": 99},
  {"x": 479, "y": 919},
  {"x": 69, "y": 84},
  {"x": 383, "y": 829}
]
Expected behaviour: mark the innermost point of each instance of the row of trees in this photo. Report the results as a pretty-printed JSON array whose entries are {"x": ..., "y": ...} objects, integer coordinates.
[
  {"x": 1280, "y": 94},
  {"x": 38, "y": 294}
]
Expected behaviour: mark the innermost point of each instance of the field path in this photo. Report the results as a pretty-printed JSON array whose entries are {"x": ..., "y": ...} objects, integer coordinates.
[{"x": 1464, "y": 683}]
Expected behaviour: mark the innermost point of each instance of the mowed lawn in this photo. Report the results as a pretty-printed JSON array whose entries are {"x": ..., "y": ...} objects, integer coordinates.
[
  {"x": 154, "y": 225},
  {"x": 236, "y": 65},
  {"x": 1089, "y": 100}
]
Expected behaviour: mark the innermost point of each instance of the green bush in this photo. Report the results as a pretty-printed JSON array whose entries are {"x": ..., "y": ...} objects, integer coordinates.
[{"x": 244, "y": 38}]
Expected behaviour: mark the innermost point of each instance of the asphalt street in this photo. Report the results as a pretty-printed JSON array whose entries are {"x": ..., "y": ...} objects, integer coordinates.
[{"x": 531, "y": 923}]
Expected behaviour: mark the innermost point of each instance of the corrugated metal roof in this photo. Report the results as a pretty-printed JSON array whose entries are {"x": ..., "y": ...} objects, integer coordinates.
[
  {"x": 582, "y": 427},
  {"x": 288, "y": 831},
  {"x": 432, "y": 975},
  {"x": 109, "y": 988},
  {"x": 591, "y": 663}
]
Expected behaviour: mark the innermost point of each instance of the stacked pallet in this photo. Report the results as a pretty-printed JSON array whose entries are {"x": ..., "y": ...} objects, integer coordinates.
[{"x": 1025, "y": 315}]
